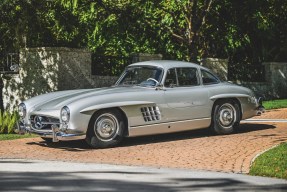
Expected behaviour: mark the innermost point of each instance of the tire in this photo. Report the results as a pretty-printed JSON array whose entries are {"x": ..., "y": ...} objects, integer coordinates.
[
  {"x": 225, "y": 117},
  {"x": 47, "y": 140},
  {"x": 106, "y": 129}
]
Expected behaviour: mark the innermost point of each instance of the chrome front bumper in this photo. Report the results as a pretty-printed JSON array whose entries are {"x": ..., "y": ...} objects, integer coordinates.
[{"x": 54, "y": 134}]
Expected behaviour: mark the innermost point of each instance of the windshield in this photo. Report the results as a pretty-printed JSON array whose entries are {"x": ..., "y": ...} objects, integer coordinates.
[{"x": 141, "y": 76}]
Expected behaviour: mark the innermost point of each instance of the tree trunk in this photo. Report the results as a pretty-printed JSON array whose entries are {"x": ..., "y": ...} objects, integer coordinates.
[{"x": 1, "y": 94}]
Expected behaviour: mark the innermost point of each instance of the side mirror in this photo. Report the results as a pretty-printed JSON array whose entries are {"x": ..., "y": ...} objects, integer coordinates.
[{"x": 159, "y": 87}]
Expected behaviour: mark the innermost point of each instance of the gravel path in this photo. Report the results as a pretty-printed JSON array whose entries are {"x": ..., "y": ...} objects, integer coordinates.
[{"x": 197, "y": 149}]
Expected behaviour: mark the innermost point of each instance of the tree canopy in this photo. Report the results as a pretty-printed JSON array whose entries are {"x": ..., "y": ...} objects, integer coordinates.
[{"x": 246, "y": 32}]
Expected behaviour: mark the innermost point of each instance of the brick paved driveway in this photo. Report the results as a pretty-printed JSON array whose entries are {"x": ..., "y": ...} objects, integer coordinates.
[{"x": 197, "y": 149}]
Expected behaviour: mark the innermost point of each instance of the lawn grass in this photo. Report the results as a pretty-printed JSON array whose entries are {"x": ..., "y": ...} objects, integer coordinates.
[
  {"x": 272, "y": 163},
  {"x": 275, "y": 104},
  {"x": 15, "y": 136}
]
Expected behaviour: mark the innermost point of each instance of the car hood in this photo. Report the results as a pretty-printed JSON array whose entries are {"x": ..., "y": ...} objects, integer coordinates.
[{"x": 56, "y": 100}]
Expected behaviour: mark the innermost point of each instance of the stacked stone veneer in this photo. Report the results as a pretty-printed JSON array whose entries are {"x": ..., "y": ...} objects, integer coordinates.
[
  {"x": 45, "y": 69},
  {"x": 275, "y": 75},
  {"x": 276, "y": 81},
  {"x": 218, "y": 66},
  {"x": 138, "y": 57}
]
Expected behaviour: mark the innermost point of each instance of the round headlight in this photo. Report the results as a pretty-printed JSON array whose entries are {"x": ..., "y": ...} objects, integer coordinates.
[
  {"x": 22, "y": 110},
  {"x": 65, "y": 114}
]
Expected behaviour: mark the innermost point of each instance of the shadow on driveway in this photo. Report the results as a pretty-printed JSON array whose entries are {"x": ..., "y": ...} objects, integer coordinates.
[{"x": 80, "y": 145}]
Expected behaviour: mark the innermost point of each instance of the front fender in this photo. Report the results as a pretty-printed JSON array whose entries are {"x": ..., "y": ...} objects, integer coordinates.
[
  {"x": 222, "y": 96},
  {"x": 93, "y": 108}
]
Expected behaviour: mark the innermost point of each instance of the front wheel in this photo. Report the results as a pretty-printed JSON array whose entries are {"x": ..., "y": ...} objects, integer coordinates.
[
  {"x": 225, "y": 117},
  {"x": 106, "y": 129}
]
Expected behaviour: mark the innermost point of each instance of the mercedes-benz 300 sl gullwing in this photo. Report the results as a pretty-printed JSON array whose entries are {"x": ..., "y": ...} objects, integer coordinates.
[{"x": 151, "y": 97}]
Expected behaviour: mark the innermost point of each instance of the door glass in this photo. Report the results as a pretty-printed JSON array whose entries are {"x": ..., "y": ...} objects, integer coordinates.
[
  {"x": 170, "y": 80},
  {"x": 187, "y": 77},
  {"x": 181, "y": 77},
  {"x": 208, "y": 78}
]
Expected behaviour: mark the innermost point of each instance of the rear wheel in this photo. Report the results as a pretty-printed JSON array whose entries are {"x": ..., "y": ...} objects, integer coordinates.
[
  {"x": 106, "y": 129},
  {"x": 225, "y": 117}
]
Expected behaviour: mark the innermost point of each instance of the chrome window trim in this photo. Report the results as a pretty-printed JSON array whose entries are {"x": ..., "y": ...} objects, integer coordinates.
[
  {"x": 203, "y": 70},
  {"x": 177, "y": 81},
  {"x": 125, "y": 71}
]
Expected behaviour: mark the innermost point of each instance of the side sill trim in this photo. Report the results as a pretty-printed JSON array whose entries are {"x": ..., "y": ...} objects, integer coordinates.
[{"x": 169, "y": 127}]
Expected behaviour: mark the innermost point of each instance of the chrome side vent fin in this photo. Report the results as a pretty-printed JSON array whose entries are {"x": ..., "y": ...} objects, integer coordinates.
[{"x": 151, "y": 113}]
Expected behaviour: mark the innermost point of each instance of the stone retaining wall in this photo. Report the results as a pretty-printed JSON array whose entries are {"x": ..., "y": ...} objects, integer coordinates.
[
  {"x": 219, "y": 66},
  {"x": 45, "y": 70},
  {"x": 276, "y": 77},
  {"x": 275, "y": 86},
  {"x": 275, "y": 74},
  {"x": 48, "y": 69}
]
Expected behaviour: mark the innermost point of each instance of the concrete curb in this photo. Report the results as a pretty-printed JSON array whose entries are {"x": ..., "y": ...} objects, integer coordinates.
[
  {"x": 256, "y": 156},
  {"x": 264, "y": 121}
]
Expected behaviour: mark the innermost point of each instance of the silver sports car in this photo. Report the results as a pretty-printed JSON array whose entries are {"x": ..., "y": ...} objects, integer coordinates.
[{"x": 151, "y": 97}]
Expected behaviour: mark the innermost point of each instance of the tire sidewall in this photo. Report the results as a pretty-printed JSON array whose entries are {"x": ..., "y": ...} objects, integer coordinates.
[
  {"x": 217, "y": 127},
  {"x": 93, "y": 140}
]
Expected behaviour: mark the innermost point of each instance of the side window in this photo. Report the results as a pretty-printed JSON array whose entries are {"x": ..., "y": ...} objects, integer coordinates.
[
  {"x": 181, "y": 77},
  {"x": 170, "y": 80},
  {"x": 208, "y": 78},
  {"x": 187, "y": 76}
]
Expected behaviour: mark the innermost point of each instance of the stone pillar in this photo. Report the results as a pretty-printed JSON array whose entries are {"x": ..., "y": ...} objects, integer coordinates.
[
  {"x": 1, "y": 94},
  {"x": 138, "y": 57},
  {"x": 218, "y": 66},
  {"x": 276, "y": 77},
  {"x": 48, "y": 69}
]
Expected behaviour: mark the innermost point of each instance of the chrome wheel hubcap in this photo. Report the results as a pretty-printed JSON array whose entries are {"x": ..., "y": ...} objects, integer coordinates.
[
  {"x": 106, "y": 127},
  {"x": 226, "y": 115}
]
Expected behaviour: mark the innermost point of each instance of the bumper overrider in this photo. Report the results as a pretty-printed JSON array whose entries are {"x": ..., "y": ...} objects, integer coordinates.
[
  {"x": 260, "y": 109},
  {"x": 48, "y": 127}
]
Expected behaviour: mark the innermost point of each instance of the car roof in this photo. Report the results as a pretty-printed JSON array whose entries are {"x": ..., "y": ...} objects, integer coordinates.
[{"x": 167, "y": 64}]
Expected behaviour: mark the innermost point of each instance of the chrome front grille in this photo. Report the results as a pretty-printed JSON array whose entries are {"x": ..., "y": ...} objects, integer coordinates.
[
  {"x": 43, "y": 122},
  {"x": 151, "y": 113}
]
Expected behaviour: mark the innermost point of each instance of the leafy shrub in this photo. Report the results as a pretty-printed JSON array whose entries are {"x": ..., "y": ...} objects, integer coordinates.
[{"x": 8, "y": 122}]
